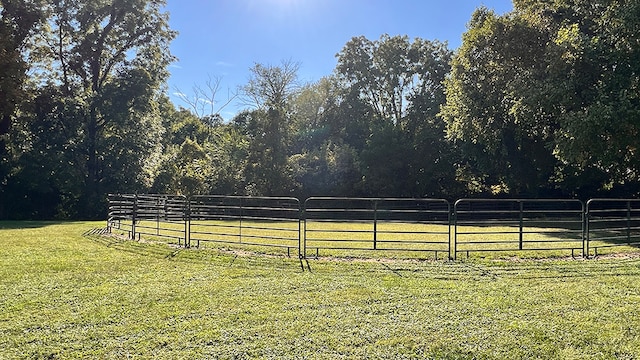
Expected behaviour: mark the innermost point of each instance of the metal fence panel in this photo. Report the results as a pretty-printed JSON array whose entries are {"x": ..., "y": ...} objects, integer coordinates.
[
  {"x": 156, "y": 215},
  {"x": 378, "y": 224},
  {"x": 162, "y": 216},
  {"x": 253, "y": 221},
  {"x": 121, "y": 213},
  {"x": 612, "y": 223},
  {"x": 517, "y": 225}
]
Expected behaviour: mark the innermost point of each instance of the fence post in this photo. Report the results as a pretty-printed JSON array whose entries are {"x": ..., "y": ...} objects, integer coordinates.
[
  {"x": 134, "y": 216},
  {"x": 158, "y": 216},
  {"x": 585, "y": 230},
  {"x": 628, "y": 222},
  {"x": 187, "y": 223},
  {"x": 300, "y": 217},
  {"x": 455, "y": 230},
  {"x": 449, "y": 219},
  {"x": 304, "y": 237},
  {"x": 375, "y": 224},
  {"x": 521, "y": 224},
  {"x": 240, "y": 227}
]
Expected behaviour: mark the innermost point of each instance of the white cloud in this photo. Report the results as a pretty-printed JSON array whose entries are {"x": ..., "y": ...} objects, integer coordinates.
[
  {"x": 205, "y": 101},
  {"x": 224, "y": 64}
]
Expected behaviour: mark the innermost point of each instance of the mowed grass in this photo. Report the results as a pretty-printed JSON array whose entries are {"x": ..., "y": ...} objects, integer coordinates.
[{"x": 65, "y": 295}]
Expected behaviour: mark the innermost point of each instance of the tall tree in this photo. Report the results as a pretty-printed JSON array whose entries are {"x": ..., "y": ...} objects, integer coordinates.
[
  {"x": 109, "y": 58},
  {"x": 597, "y": 45},
  {"x": 18, "y": 21},
  {"x": 270, "y": 89},
  {"x": 401, "y": 80},
  {"x": 18, "y": 18},
  {"x": 330, "y": 126},
  {"x": 492, "y": 104}
]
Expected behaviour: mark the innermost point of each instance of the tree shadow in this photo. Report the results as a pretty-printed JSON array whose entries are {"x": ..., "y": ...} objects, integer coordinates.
[{"x": 29, "y": 224}]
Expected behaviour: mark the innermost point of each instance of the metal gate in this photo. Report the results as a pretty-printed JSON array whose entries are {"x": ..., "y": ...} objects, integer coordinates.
[
  {"x": 155, "y": 215},
  {"x": 376, "y": 224},
  {"x": 121, "y": 213},
  {"x": 612, "y": 223},
  {"x": 248, "y": 221},
  {"x": 518, "y": 225}
]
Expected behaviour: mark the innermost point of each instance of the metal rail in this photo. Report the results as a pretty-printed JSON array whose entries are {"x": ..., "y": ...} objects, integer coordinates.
[
  {"x": 254, "y": 221},
  {"x": 344, "y": 225},
  {"x": 517, "y": 225},
  {"x": 377, "y": 224},
  {"x": 154, "y": 215},
  {"x": 612, "y": 223}
]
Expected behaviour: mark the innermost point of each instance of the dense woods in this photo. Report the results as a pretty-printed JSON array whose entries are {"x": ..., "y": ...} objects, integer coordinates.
[{"x": 540, "y": 102}]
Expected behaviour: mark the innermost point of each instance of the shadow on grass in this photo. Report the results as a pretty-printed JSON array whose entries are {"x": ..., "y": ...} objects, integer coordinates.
[
  {"x": 562, "y": 269},
  {"x": 30, "y": 224},
  {"x": 466, "y": 270},
  {"x": 217, "y": 257},
  {"x": 121, "y": 243}
]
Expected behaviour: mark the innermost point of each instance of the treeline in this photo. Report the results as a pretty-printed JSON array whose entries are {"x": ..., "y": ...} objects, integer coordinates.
[{"x": 541, "y": 102}]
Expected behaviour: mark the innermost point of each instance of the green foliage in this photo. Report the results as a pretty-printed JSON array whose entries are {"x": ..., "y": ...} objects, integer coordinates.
[
  {"x": 406, "y": 153},
  {"x": 200, "y": 158},
  {"x": 184, "y": 170},
  {"x": 229, "y": 154},
  {"x": 542, "y": 102},
  {"x": 331, "y": 169},
  {"x": 391, "y": 71},
  {"x": 268, "y": 128},
  {"x": 491, "y": 107},
  {"x": 18, "y": 19},
  {"x": 329, "y": 130},
  {"x": 267, "y": 171},
  {"x": 94, "y": 126},
  {"x": 271, "y": 87},
  {"x": 542, "y": 96},
  {"x": 599, "y": 44}
]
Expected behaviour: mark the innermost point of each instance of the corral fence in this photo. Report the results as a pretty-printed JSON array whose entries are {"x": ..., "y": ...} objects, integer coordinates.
[
  {"x": 523, "y": 225},
  {"x": 381, "y": 224},
  {"x": 163, "y": 216},
  {"x": 253, "y": 221},
  {"x": 611, "y": 223},
  {"x": 346, "y": 226}
]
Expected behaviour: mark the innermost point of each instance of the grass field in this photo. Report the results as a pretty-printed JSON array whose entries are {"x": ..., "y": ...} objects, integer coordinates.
[{"x": 65, "y": 295}]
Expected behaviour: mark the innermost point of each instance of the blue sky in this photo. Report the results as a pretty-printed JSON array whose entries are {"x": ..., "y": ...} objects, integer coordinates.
[{"x": 224, "y": 38}]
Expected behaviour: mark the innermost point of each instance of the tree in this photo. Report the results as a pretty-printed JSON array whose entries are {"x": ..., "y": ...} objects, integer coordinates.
[
  {"x": 185, "y": 170},
  {"x": 45, "y": 178},
  {"x": 492, "y": 104},
  {"x": 329, "y": 128},
  {"x": 401, "y": 81},
  {"x": 597, "y": 44},
  {"x": 109, "y": 59},
  {"x": 229, "y": 152},
  {"x": 203, "y": 103},
  {"x": 543, "y": 96},
  {"x": 270, "y": 89},
  {"x": 18, "y": 20}
]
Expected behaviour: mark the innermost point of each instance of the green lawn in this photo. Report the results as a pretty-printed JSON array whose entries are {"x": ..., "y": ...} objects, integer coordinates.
[{"x": 65, "y": 295}]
